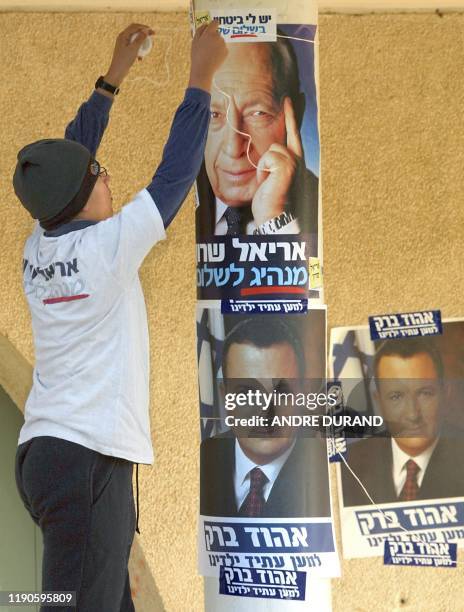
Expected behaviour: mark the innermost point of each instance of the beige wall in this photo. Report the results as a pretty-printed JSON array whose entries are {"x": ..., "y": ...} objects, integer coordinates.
[
  {"x": 95, "y": 5},
  {"x": 392, "y": 98},
  {"x": 341, "y": 6}
]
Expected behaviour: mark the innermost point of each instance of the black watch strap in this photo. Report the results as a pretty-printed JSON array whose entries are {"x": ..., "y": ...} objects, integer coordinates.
[{"x": 102, "y": 84}]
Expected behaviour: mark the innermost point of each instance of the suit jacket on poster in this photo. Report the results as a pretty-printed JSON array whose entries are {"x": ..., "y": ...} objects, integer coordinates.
[
  {"x": 303, "y": 203},
  {"x": 300, "y": 490},
  {"x": 372, "y": 461}
]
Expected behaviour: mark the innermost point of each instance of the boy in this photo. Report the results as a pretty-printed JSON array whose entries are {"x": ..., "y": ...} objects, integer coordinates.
[{"x": 86, "y": 418}]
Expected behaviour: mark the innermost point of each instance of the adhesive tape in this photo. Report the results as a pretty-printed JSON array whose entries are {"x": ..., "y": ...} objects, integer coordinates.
[
  {"x": 202, "y": 17},
  {"x": 145, "y": 47}
]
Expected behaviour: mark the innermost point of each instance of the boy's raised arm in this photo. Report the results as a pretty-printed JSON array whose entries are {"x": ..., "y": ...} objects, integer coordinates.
[
  {"x": 91, "y": 119},
  {"x": 126, "y": 238},
  {"x": 183, "y": 152}
]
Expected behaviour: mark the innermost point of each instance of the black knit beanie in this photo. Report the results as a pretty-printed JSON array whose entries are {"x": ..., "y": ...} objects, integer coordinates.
[{"x": 54, "y": 179}]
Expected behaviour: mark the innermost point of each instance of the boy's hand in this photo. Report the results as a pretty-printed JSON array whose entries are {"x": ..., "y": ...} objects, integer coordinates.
[
  {"x": 208, "y": 52},
  {"x": 125, "y": 52}
]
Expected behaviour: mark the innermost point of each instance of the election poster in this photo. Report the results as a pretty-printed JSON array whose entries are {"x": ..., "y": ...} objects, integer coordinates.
[
  {"x": 401, "y": 486},
  {"x": 258, "y": 214},
  {"x": 265, "y": 507}
]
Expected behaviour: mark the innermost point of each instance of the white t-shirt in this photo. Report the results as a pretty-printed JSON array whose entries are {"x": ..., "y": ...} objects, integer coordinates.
[{"x": 91, "y": 374}]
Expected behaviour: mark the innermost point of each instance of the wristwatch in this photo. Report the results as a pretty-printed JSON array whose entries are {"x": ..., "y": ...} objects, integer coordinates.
[
  {"x": 275, "y": 224},
  {"x": 102, "y": 84}
]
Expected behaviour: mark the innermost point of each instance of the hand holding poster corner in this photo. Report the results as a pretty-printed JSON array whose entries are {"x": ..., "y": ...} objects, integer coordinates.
[{"x": 410, "y": 466}]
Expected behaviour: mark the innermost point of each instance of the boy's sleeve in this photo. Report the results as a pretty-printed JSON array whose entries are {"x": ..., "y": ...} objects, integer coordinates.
[
  {"x": 90, "y": 123},
  {"x": 125, "y": 239},
  {"x": 182, "y": 155}
]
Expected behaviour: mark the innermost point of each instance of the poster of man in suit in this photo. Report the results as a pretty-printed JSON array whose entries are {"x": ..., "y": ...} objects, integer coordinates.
[
  {"x": 263, "y": 117},
  {"x": 261, "y": 473},
  {"x": 409, "y": 467}
]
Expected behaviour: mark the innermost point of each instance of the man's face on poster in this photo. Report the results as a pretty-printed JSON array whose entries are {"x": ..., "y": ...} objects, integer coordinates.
[
  {"x": 247, "y": 77},
  {"x": 267, "y": 369},
  {"x": 410, "y": 395}
]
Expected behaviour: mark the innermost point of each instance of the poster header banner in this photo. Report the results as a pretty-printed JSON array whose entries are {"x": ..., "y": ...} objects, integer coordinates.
[{"x": 244, "y": 25}]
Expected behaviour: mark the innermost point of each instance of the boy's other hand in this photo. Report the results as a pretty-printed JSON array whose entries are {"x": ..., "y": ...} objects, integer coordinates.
[
  {"x": 125, "y": 52},
  {"x": 208, "y": 53}
]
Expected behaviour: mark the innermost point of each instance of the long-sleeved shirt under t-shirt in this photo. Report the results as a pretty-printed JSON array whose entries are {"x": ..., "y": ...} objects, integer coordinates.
[{"x": 91, "y": 374}]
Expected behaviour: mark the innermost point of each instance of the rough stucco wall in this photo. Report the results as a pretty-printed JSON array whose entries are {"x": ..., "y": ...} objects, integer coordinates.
[
  {"x": 392, "y": 156},
  {"x": 391, "y": 99}
]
